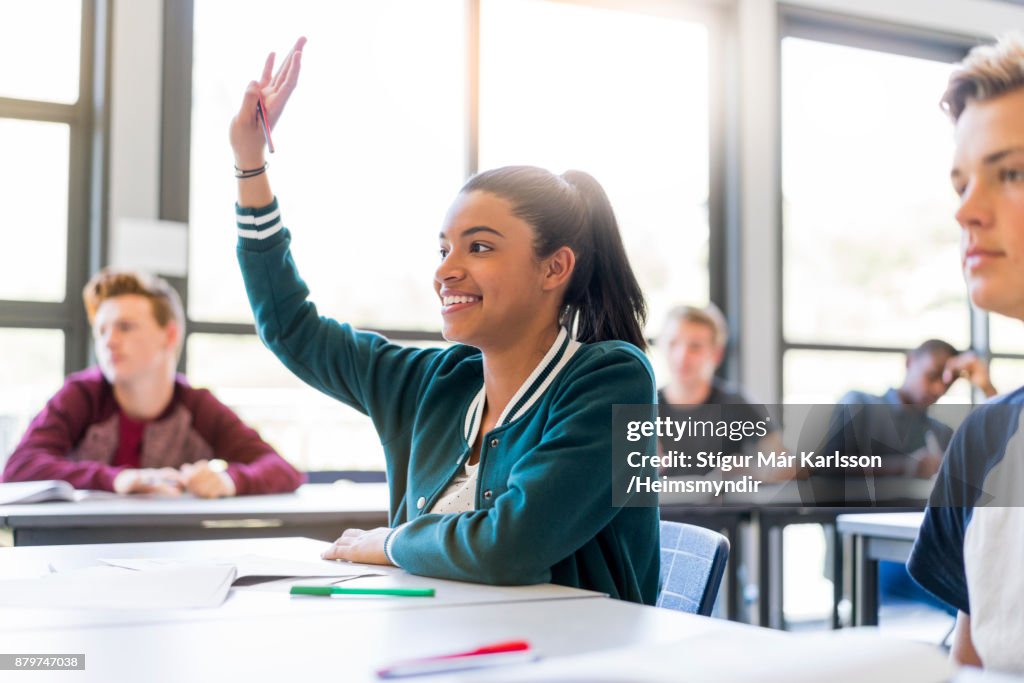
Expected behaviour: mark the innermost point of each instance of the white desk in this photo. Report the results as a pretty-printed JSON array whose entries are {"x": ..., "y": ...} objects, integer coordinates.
[
  {"x": 263, "y": 600},
  {"x": 272, "y": 636},
  {"x": 875, "y": 537},
  {"x": 320, "y": 511},
  {"x": 269, "y": 636},
  {"x": 343, "y": 646}
]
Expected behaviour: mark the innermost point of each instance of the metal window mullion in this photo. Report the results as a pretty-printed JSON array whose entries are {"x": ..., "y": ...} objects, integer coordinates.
[
  {"x": 77, "y": 254},
  {"x": 248, "y": 329},
  {"x": 876, "y": 35},
  {"x": 213, "y": 327},
  {"x": 980, "y": 343},
  {"x": 34, "y": 314},
  {"x": 855, "y": 348},
  {"x": 32, "y": 110},
  {"x": 723, "y": 170},
  {"x": 472, "y": 87},
  {"x": 176, "y": 131},
  {"x": 99, "y": 107},
  {"x": 79, "y": 235}
]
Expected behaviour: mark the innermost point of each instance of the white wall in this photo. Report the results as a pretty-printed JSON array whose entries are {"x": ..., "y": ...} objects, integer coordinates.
[
  {"x": 135, "y": 143},
  {"x": 758, "y": 334},
  {"x": 135, "y": 113}
]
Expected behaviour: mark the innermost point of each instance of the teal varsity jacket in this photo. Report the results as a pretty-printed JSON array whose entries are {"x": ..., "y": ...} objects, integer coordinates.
[{"x": 544, "y": 494}]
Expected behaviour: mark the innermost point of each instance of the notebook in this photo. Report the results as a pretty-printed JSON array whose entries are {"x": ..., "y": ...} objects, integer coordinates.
[
  {"x": 22, "y": 492},
  {"x": 181, "y": 587}
]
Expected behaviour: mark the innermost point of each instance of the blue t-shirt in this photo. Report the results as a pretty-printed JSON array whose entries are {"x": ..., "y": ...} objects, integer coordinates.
[{"x": 985, "y": 449}]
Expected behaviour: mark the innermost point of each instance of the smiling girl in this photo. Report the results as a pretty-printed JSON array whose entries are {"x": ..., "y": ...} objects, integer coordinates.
[{"x": 498, "y": 448}]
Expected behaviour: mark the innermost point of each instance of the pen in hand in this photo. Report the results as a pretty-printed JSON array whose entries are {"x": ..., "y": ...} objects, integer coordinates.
[{"x": 261, "y": 111}]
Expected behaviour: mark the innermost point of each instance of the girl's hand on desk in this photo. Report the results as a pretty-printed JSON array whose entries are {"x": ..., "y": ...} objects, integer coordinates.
[
  {"x": 246, "y": 133},
  {"x": 356, "y": 545}
]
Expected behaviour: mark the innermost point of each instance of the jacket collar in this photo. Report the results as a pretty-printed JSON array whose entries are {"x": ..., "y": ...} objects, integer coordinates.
[{"x": 553, "y": 362}]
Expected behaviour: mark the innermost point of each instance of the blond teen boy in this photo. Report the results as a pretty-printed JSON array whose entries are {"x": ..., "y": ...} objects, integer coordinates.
[
  {"x": 693, "y": 340},
  {"x": 132, "y": 425},
  {"x": 971, "y": 545}
]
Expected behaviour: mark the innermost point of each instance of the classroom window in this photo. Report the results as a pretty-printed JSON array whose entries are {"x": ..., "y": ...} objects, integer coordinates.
[
  {"x": 33, "y": 262},
  {"x": 40, "y": 43},
  {"x": 371, "y": 151},
  {"x": 47, "y": 137},
  {"x": 870, "y": 262},
  {"x": 1005, "y": 335},
  {"x": 31, "y": 363},
  {"x": 313, "y": 431},
  {"x": 870, "y": 245},
  {"x": 820, "y": 373},
  {"x": 623, "y": 96},
  {"x": 1006, "y": 341},
  {"x": 394, "y": 112},
  {"x": 1007, "y": 373}
]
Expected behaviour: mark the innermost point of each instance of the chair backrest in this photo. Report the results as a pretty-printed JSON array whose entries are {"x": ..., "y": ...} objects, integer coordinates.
[{"x": 692, "y": 564}]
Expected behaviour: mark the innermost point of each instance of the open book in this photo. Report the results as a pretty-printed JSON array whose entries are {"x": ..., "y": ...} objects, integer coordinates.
[{"x": 19, "y": 492}]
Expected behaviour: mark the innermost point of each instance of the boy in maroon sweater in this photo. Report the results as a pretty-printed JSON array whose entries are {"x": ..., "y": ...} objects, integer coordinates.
[{"x": 133, "y": 425}]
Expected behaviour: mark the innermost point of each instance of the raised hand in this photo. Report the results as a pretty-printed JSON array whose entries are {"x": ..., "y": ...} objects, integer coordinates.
[{"x": 246, "y": 133}]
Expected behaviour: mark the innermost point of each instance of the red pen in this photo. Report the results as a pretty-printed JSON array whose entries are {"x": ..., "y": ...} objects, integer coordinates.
[
  {"x": 261, "y": 111},
  {"x": 496, "y": 654}
]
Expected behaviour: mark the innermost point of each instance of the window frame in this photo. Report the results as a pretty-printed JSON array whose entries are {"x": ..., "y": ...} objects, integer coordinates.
[
  {"x": 879, "y": 36},
  {"x": 88, "y": 120}
]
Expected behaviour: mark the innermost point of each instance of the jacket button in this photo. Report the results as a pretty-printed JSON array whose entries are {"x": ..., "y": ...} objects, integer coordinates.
[
  {"x": 420, "y": 503},
  {"x": 494, "y": 443},
  {"x": 488, "y": 494}
]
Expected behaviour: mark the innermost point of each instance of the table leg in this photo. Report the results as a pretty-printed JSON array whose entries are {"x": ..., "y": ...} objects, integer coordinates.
[
  {"x": 770, "y": 574},
  {"x": 734, "y": 593},
  {"x": 837, "y": 572},
  {"x": 865, "y": 592}
]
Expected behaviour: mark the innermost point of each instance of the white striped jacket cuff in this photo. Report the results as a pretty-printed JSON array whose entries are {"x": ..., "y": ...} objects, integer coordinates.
[
  {"x": 389, "y": 541},
  {"x": 259, "y": 224}
]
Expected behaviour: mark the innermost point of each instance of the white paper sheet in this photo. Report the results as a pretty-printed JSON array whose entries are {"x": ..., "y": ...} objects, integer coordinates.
[
  {"x": 116, "y": 588},
  {"x": 249, "y": 566}
]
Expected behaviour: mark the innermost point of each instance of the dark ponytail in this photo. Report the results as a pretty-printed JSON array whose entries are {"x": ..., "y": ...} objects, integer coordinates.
[{"x": 603, "y": 300}]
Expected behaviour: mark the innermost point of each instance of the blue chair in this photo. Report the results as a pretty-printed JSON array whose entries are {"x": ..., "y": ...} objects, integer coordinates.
[{"x": 692, "y": 565}]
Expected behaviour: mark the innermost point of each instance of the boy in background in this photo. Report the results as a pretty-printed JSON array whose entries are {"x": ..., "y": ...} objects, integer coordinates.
[
  {"x": 132, "y": 425},
  {"x": 693, "y": 341}
]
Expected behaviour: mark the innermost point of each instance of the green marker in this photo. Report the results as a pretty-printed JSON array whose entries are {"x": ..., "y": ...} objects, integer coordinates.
[{"x": 339, "y": 590}]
